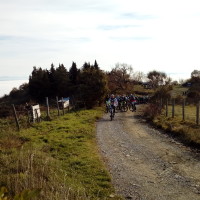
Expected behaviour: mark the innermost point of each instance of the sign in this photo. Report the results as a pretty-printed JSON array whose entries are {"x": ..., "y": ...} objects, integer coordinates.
[
  {"x": 36, "y": 111},
  {"x": 64, "y": 102}
]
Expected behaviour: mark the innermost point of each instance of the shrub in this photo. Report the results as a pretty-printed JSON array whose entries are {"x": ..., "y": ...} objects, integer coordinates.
[{"x": 152, "y": 111}]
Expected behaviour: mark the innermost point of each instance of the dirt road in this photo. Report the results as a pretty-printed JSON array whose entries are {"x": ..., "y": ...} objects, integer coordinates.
[{"x": 145, "y": 163}]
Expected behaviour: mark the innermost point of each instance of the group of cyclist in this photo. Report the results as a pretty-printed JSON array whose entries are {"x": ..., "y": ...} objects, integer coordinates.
[{"x": 121, "y": 102}]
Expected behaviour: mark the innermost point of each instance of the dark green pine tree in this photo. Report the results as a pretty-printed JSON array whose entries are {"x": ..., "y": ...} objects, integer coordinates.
[
  {"x": 92, "y": 87},
  {"x": 86, "y": 66},
  {"x": 96, "y": 66},
  {"x": 62, "y": 81},
  {"x": 73, "y": 74},
  {"x": 39, "y": 84},
  {"x": 52, "y": 79}
]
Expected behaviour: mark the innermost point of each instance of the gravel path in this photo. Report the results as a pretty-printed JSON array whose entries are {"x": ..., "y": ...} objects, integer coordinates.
[{"x": 145, "y": 163}]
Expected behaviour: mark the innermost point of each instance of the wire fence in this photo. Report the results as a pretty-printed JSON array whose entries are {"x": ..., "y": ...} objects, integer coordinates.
[
  {"x": 25, "y": 115},
  {"x": 181, "y": 109}
]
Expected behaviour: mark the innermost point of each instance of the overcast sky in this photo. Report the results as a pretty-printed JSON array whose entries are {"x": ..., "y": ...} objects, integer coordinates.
[{"x": 148, "y": 34}]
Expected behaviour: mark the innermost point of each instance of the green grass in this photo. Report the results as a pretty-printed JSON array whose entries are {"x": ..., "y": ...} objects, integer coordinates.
[
  {"x": 190, "y": 112},
  {"x": 178, "y": 91},
  {"x": 140, "y": 88},
  {"x": 60, "y": 157}
]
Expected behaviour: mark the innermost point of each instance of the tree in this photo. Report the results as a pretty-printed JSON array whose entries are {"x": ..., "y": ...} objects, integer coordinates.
[
  {"x": 52, "y": 79},
  {"x": 119, "y": 79},
  {"x": 139, "y": 76},
  {"x": 196, "y": 74},
  {"x": 156, "y": 78},
  {"x": 39, "y": 84},
  {"x": 86, "y": 66},
  {"x": 73, "y": 73},
  {"x": 168, "y": 81},
  {"x": 49, "y": 83},
  {"x": 194, "y": 90},
  {"x": 21, "y": 94},
  {"x": 92, "y": 86},
  {"x": 96, "y": 66},
  {"x": 62, "y": 81}
]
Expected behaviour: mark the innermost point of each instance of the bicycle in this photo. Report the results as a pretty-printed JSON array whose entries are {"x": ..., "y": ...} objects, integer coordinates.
[
  {"x": 124, "y": 107},
  {"x": 133, "y": 106},
  {"x": 111, "y": 110}
]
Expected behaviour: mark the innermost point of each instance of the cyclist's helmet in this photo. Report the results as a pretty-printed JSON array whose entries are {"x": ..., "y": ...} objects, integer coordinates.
[{"x": 112, "y": 95}]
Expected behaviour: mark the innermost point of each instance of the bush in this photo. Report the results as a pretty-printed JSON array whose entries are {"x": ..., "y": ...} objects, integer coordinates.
[
  {"x": 152, "y": 111},
  {"x": 193, "y": 96},
  {"x": 162, "y": 93}
]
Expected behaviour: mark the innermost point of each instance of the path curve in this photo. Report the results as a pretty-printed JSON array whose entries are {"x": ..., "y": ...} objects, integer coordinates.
[{"x": 145, "y": 163}]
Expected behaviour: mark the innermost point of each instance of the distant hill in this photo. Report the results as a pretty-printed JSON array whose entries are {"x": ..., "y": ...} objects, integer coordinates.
[{"x": 12, "y": 78}]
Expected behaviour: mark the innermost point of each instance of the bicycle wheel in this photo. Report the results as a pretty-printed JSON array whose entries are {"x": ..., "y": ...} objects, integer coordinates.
[
  {"x": 125, "y": 108},
  {"x": 129, "y": 106},
  {"x": 133, "y": 107},
  {"x": 111, "y": 114}
]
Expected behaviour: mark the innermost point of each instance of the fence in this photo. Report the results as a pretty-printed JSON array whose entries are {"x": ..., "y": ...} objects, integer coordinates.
[
  {"x": 182, "y": 110},
  {"x": 24, "y": 115}
]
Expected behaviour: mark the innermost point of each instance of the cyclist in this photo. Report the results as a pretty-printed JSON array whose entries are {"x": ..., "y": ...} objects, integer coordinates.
[
  {"x": 107, "y": 102},
  {"x": 123, "y": 103},
  {"x": 133, "y": 102},
  {"x": 113, "y": 102}
]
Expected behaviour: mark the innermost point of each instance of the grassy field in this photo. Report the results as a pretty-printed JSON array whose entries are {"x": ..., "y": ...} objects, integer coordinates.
[
  {"x": 178, "y": 91},
  {"x": 190, "y": 113},
  {"x": 58, "y": 159}
]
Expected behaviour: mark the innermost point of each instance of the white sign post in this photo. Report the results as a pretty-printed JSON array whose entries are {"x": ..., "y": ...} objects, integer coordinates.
[{"x": 36, "y": 114}]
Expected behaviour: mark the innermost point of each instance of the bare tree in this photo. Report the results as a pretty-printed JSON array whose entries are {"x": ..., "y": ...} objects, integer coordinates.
[
  {"x": 157, "y": 78},
  {"x": 139, "y": 76},
  {"x": 119, "y": 78}
]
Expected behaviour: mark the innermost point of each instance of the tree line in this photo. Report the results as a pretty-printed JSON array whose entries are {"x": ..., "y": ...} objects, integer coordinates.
[{"x": 89, "y": 84}]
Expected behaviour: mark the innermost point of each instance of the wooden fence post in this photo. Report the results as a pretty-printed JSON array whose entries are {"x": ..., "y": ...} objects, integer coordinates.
[
  {"x": 47, "y": 104},
  {"x": 63, "y": 106},
  {"x": 183, "y": 109},
  {"x": 167, "y": 108},
  {"x": 197, "y": 113},
  {"x": 173, "y": 107},
  {"x": 16, "y": 118},
  {"x": 58, "y": 106}
]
